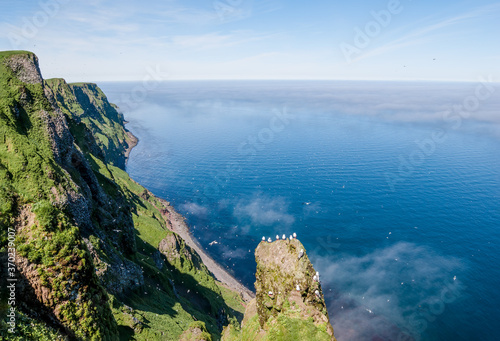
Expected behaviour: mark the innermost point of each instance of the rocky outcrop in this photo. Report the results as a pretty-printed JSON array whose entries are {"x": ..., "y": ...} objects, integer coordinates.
[
  {"x": 285, "y": 277},
  {"x": 118, "y": 274},
  {"x": 96, "y": 123},
  {"x": 289, "y": 302},
  {"x": 25, "y": 67},
  {"x": 196, "y": 332},
  {"x": 179, "y": 254}
]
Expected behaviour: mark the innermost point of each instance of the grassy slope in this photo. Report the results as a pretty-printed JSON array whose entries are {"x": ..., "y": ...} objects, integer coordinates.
[
  {"x": 165, "y": 314},
  {"x": 52, "y": 244},
  {"x": 171, "y": 298}
]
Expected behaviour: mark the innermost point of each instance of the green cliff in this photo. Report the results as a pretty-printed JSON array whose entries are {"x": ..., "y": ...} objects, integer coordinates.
[{"x": 96, "y": 258}]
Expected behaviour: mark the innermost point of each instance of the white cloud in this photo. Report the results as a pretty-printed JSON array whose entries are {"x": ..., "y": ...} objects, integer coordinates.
[
  {"x": 213, "y": 40},
  {"x": 194, "y": 209},
  {"x": 264, "y": 210},
  {"x": 424, "y": 34},
  {"x": 399, "y": 289}
]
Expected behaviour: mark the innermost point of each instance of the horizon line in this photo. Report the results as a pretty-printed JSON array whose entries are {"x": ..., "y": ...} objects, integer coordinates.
[{"x": 287, "y": 79}]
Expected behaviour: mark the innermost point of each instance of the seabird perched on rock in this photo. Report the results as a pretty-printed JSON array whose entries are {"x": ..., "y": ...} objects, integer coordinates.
[
  {"x": 317, "y": 293},
  {"x": 298, "y": 287},
  {"x": 291, "y": 237},
  {"x": 301, "y": 253},
  {"x": 277, "y": 237},
  {"x": 315, "y": 278},
  {"x": 283, "y": 237},
  {"x": 263, "y": 238},
  {"x": 269, "y": 240},
  {"x": 270, "y": 293},
  {"x": 294, "y": 235}
]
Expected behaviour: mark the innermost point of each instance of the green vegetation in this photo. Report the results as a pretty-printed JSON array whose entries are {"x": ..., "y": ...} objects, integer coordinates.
[
  {"x": 93, "y": 121},
  {"x": 87, "y": 235},
  {"x": 31, "y": 180},
  {"x": 97, "y": 259},
  {"x": 287, "y": 313},
  {"x": 282, "y": 328},
  {"x": 30, "y": 329}
]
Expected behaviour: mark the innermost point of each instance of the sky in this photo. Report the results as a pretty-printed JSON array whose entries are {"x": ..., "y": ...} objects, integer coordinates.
[{"x": 98, "y": 40}]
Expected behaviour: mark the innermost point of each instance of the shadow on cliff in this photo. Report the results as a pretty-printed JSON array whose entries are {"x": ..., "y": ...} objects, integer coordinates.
[{"x": 165, "y": 286}]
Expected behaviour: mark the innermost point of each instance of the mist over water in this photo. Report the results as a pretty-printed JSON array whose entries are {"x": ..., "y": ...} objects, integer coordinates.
[{"x": 393, "y": 188}]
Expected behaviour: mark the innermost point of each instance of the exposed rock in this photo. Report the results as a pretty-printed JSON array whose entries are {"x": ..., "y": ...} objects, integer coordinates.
[
  {"x": 158, "y": 260},
  {"x": 280, "y": 271},
  {"x": 177, "y": 252},
  {"x": 289, "y": 304},
  {"x": 118, "y": 274},
  {"x": 25, "y": 67}
]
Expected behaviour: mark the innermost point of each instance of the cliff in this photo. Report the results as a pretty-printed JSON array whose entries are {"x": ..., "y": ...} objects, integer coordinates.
[
  {"x": 289, "y": 303},
  {"x": 94, "y": 254}
]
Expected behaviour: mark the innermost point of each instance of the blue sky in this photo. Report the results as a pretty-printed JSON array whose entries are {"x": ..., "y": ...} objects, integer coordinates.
[{"x": 101, "y": 40}]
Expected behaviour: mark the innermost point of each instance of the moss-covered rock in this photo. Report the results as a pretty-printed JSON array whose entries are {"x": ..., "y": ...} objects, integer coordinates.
[
  {"x": 196, "y": 332},
  {"x": 289, "y": 303}
]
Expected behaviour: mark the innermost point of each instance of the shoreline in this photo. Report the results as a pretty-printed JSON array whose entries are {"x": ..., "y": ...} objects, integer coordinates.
[
  {"x": 179, "y": 226},
  {"x": 131, "y": 141}
]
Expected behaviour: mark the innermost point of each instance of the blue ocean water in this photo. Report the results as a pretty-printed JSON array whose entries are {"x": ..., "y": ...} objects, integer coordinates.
[{"x": 393, "y": 188}]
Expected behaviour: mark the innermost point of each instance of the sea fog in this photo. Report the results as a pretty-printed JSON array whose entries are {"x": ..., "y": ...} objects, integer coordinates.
[{"x": 393, "y": 188}]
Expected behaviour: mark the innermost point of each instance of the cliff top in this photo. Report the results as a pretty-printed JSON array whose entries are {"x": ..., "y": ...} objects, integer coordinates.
[{"x": 4, "y": 54}]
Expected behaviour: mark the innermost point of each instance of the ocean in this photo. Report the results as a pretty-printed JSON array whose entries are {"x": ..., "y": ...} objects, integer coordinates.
[{"x": 392, "y": 187}]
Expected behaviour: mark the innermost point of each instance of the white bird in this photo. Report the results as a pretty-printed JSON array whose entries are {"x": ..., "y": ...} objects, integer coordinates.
[
  {"x": 263, "y": 238},
  {"x": 317, "y": 293},
  {"x": 291, "y": 237},
  {"x": 283, "y": 237},
  {"x": 277, "y": 237},
  {"x": 269, "y": 240},
  {"x": 270, "y": 293},
  {"x": 315, "y": 278},
  {"x": 294, "y": 235},
  {"x": 301, "y": 253},
  {"x": 298, "y": 287}
]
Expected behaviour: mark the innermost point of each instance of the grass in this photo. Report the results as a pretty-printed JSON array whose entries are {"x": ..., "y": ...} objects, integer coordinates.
[
  {"x": 284, "y": 327},
  {"x": 31, "y": 180},
  {"x": 125, "y": 224},
  {"x": 30, "y": 329}
]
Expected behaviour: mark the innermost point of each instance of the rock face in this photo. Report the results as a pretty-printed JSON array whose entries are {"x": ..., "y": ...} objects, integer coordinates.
[
  {"x": 289, "y": 303},
  {"x": 284, "y": 278},
  {"x": 25, "y": 67}
]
